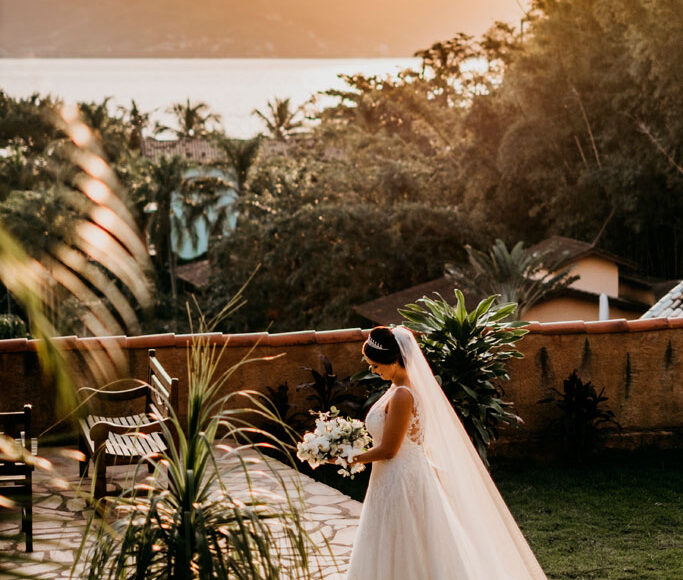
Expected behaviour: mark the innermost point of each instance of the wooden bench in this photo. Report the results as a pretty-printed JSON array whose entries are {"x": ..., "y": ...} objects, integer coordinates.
[
  {"x": 125, "y": 439},
  {"x": 16, "y": 476}
]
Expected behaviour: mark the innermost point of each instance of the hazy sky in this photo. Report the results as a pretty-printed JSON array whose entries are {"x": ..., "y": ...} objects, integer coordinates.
[{"x": 235, "y": 28}]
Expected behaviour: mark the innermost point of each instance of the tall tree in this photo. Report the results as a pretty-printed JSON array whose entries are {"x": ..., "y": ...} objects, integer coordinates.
[
  {"x": 594, "y": 132},
  {"x": 241, "y": 155},
  {"x": 192, "y": 120},
  {"x": 138, "y": 122},
  {"x": 280, "y": 119}
]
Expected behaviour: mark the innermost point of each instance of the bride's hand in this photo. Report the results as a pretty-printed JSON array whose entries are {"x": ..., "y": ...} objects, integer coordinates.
[{"x": 335, "y": 461}]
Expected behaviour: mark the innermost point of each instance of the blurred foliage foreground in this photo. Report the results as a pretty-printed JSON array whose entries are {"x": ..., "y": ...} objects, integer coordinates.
[{"x": 183, "y": 521}]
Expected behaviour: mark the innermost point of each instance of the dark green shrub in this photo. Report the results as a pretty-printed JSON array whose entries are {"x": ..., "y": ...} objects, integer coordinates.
[
  {"x": 373, "y": 385},
  {"x": 328, "y": 391},
  {"x": 467, "y": 353},
  {"x": 11, "y": 326},
  {"x": 582, "y": 421}
]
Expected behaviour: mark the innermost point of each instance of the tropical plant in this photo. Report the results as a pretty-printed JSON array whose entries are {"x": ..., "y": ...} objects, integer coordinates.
[
  {"x": 196, "y": 526},
  {"x": 40, "y": 220},
  {"x": 241, "y": 155},
  {"x": 28, "y": 122},
  {"x": 517, "y": 275},
  {"x": 374, "y": 385},
  {"x": 583, "y": 420},
  {"x": 173, "y": 204},
  {"x": 286, "y": 425},
  {"x": 12, "y": 326},
  {"x": 467, "y": 352},
  {"x": 110, "y": 129},
  {"x": 328, "y": 391},
  {"x": 280, "y": 120},
  {"x": 138, "y": 122},
  {"x": 193, "y": 120}
]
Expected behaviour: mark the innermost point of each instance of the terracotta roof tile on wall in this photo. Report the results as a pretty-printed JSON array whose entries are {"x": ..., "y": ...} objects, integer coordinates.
[{"x": 327, "y": 336}]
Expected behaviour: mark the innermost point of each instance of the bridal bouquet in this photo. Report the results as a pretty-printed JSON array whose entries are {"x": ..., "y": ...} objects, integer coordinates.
[{"x": 337, "y": 438}]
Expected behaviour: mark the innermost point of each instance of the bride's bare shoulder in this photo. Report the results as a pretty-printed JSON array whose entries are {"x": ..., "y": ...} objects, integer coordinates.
[{"x": 402, "y": 396}]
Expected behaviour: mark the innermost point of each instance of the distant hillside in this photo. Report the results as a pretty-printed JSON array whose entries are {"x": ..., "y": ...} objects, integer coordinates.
[{"x": 238, "y": 28}]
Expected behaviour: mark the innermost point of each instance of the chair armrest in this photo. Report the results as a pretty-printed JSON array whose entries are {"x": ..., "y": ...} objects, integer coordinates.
[
  {"x": 100, "y": 430},
  {"x": 103, "y": 395}
]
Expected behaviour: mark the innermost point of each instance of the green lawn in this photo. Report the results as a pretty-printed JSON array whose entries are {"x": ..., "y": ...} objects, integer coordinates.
[{"x": 619, "y": 517}]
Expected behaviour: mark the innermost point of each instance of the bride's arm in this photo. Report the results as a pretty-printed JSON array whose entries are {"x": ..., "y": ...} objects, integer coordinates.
[{"x": 399, "y": 411}]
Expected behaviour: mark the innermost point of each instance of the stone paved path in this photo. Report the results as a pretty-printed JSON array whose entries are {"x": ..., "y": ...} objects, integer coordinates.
[{"x": 60, "y": 512}]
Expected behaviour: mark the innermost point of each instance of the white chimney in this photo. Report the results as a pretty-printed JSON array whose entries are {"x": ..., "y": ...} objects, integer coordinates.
[{"x": 604, "y": 307}]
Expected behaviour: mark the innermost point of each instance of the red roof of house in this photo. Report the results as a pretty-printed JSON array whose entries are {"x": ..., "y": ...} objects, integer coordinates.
[
  {"x": 566, "y": 250},
  {"x": 199, "y": 150}
]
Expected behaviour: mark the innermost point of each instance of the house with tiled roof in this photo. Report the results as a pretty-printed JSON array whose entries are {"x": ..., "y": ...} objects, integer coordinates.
[
  {"x": 668, "y": 306},
  {"x": 627, "y": 294}
]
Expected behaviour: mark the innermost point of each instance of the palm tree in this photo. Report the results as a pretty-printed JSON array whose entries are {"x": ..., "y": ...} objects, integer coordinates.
[
  {"x": 516, "y": 275},
  {"x": 241, "y": 155},
  {"x": 281, "y": 121},
  {"x": 138, "y": 122},
  {"x": 167, "y": 177},
  {"x": 168, "y": 180},
  {"x": 110, "y": 130},
  {"x": 193, "y": 120}
]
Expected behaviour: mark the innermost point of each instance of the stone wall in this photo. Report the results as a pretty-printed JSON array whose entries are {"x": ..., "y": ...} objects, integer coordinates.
[{"x": 639, "y": 363}]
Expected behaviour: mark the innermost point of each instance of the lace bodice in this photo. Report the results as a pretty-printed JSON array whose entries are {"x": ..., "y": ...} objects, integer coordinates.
[{"x": 377, "y": 416}]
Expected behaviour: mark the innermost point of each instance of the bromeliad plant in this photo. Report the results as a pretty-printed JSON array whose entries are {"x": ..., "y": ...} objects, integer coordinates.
[
  {"x": 328, "y": 391},
  {"x": 374, "y": 385},
  {"x": 467, "y": 352},
  {"x": 583, "y": 420},
  {"x": 195, "y": 526}
]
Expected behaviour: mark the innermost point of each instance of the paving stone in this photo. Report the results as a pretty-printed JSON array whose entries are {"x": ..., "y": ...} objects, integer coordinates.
[
  {"x": 62, "y": 511},
  {"x": 324, "y": 499},
  {"x": 324, "y": 509},
  {"x": 64, "y": 556},
  {"x": 353, "y": 508},
  {"x": 38, "y": 569},
  {"x": 345, "y": 536},
  {"x": 51, "y": 502},
  {"x": 76, "y": 504}
]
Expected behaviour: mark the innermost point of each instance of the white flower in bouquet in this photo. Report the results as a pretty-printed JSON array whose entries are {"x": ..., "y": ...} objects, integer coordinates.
[{"x": 337, "y": 438}]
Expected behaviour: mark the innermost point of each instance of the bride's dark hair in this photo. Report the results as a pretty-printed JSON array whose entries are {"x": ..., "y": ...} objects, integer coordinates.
[{"x": 389, "y": 351}]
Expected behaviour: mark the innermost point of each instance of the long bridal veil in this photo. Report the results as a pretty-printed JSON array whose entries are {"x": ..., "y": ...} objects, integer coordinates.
[{"x": 501, "y": 551}]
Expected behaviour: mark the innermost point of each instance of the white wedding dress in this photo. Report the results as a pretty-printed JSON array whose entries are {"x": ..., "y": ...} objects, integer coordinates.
[
  {"x": 405, "y": 526},
  {"x": 432, "y": 512}
]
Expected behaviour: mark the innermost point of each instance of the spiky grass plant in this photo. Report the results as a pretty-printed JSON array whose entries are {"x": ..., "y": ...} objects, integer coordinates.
[{"x": 188, "y": 521}]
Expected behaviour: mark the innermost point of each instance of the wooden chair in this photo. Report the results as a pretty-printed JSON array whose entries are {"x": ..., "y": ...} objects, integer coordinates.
[
  {"x": 16, "y": 477},
  {"x": 126, "y": 439}
]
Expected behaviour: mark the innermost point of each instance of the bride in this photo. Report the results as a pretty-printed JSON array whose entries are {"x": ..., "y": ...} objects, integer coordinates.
[{"x": 432, "y": 511}]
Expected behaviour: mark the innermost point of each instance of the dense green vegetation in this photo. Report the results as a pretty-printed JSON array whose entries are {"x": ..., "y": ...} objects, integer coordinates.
[{"x": 573, "y": 127}]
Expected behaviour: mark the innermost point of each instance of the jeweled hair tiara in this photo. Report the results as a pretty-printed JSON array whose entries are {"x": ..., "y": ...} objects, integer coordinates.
[{"x": 374, "y": 344}]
